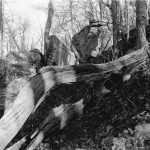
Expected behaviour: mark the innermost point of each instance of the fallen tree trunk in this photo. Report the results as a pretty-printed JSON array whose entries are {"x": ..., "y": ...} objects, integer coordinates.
[
  {"x": 57, "y": 118},
  {"x": 35, "y": 90}
]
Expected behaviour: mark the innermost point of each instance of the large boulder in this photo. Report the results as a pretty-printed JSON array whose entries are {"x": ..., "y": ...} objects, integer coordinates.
[
  {"x": 36, "y": 59},
  {"x": 91, "y": 40}
]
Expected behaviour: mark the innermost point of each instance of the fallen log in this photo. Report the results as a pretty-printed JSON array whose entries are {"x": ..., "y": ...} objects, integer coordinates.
[
  {"x": 36, "y": 88},
  {"x": 56, "y": 118}
]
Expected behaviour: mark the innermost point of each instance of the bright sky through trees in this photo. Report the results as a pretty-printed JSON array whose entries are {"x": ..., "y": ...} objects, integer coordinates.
[{"x": 33, "y": 10}]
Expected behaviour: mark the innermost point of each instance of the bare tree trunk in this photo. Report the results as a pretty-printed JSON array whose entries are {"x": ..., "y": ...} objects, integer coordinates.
[
  {"x": 13, "y": 36},
  {"x": 47, "y": 29},
  {"x": 71, "y": 16},
  {"x": 22, "y": 43},
  {"x": 127, "y": 18},
  {"x": 141, "y": 20},
  {"x": 115, "y": 10},
  {"x": 101, "y": 9},
  {"x": 91, "y": 10}
]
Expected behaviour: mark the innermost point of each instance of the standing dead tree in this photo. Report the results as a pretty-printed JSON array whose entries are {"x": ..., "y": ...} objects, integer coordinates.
[
  {"x": 127, "y": 17},
  {"x": 115, "y": 12},
  {"x": 57, "y": 52},
  {"x": 141, "y": 21},
  {"x": 47, "y": 29}
]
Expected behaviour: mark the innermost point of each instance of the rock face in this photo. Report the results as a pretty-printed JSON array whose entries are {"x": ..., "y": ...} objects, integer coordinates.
[
  {"x": 91, "y": 40},
  {"x": 94, "y": 44},
  {"x": 36, "y": 59},
  {"x": 86, "y": 41}
]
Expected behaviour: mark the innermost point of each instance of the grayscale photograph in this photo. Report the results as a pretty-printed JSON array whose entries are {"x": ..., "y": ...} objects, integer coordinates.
[{"x": 74, "y": 75}]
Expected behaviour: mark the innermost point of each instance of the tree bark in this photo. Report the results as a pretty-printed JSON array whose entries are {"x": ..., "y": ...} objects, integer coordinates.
[
  {"x": 35, "y": 90},
  {"x": 141, "y": 21},
  {"x": 101, "y": 9},
  {"x": 57, "y": 118},
  {"x": 91, "y": 10},
  {"x": 127, "y": 18},
  {"x": 47, "y": 28},
  {"x": 115, "y": 12}
]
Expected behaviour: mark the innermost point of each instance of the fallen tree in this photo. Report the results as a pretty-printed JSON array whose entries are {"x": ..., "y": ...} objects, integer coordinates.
[
  {"x": 57, "y": 118},
  {"x": 36, "y": 88}
]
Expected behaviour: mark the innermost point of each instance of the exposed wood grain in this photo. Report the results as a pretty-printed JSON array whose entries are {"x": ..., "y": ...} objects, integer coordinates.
[{"x": 36, "y": 88}]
